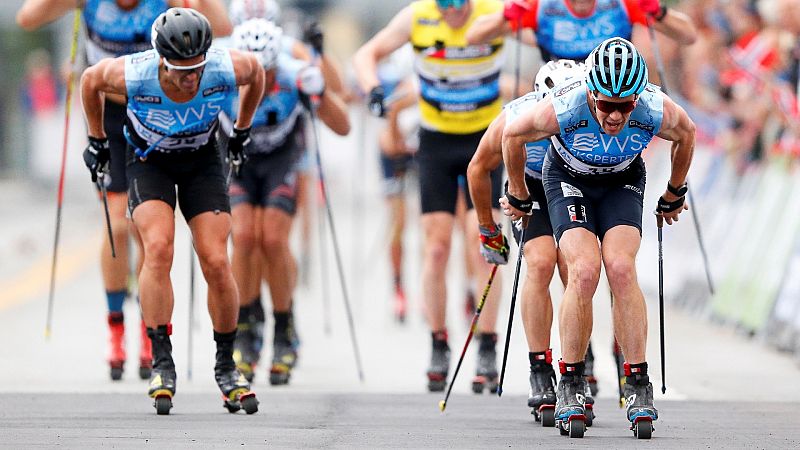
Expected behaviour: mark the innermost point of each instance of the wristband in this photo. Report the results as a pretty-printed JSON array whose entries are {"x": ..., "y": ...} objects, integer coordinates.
[
  {"x": 679, "y": 191},
  {"x": 668, "y": 207},
  {"x": 662, "y": 12}
]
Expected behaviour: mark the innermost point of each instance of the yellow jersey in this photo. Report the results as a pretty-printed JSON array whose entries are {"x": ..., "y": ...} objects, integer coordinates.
[{"x": 459, "y": 83}]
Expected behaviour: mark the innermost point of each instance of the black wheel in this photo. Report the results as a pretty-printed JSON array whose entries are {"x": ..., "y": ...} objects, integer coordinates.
[
  {"x": 116, "y": 373},
  {"x": 163, "y": 405},
  {"x": 250, "y": 404},
  {"x": 589, "y": 417},
  {"x": 562, "y": 429},
  {"x": 643, "y": 429},
  {"x": 477, "y": 387},
  {"x": 548, "y": 417},
  {"x": 493, "y": 386},
  {"x": 576, "y": 428}
]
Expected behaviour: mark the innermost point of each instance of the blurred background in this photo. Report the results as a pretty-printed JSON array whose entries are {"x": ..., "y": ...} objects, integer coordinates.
[{"x": 739, "y": 82}]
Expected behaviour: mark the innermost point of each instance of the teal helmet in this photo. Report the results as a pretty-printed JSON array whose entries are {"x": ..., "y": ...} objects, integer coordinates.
[{"x": 616, "y": 69}]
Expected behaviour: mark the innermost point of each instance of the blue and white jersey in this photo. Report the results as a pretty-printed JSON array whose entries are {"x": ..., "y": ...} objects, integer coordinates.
[
  {"x": 585, "y": 148},
  {"x": 163, "y": 125},
  {"x": 562, "y": 35},
  {"x": 113, "y": 32},
  {"x": 535, "y": 151},
  {"x": 278, "y": 112}
]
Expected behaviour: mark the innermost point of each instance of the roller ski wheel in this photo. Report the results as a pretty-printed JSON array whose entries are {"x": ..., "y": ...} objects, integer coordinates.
[
  {"x": 546, "y": 414},
  {"x": 145, "y": 369},
  {"x": 437, "y": 381},
  {"x": 279, "y": 374},
  {"x": 162, "y": 389},
  {"x": 642, "y": 427},
  {"x": 574, "y": 426},
  {"x": 589, "y": 414},
  {"x": 162, "y": 402},
  {"x": 483, "y": 381},
  {"x": 239, "y": 399}
]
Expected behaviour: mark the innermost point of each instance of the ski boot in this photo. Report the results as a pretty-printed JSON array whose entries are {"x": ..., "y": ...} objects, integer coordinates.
[
  {"x": 542, "y": 395},
  {"x": 639, "y": 400},
  {"x": 570, "y": 410},
  {"x": 244, "y": 353},
  {"x": 440, "y": 362},
  {"x": 162, "y": 377},
  {"x": 116, "y": 360},
  {"x": 284, "y": 351},
  {"x": 235, "y": 388},
  {"x": 486, "y": 372},
  {"x": 400, "y": 304},
  {"x": 145, "y": 354}
]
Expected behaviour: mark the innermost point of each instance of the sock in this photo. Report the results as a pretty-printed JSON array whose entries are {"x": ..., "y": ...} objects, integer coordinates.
[{"x": 115, "y": 300}]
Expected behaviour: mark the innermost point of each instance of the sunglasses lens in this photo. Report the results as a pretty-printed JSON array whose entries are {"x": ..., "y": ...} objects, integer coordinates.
[
  {"x": 457, "y": 4},
  {"x": 610, "y": 107}
]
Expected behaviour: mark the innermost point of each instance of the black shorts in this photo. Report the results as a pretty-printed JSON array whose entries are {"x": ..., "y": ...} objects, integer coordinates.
[
  {"x": 394, "y": 173},
  {"x": 539, "y": 221},
  {"x": 268, "y": 180},
  {"x": 113, "y": 120},
  {"x": 442, "y": 158},
  {"x": 198, "y": 176},
  {"x": 596, "y": 203}
]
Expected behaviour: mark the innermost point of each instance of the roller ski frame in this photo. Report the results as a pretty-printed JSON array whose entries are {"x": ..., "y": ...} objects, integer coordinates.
[
  {"x": 440, "y": 365},
  {"x": 161, "y": 394},
  {"x": 642, "y": 427},
  {"x": 543, "y": 376},
  {"x": 487, "y": 376},
  {"x": 575, "y": 425},
  {"x": 546, "y": 414},
  {"x": 240, "y": 398}
]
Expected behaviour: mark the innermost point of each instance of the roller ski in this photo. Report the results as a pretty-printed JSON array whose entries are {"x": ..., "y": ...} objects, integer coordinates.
[
  {"x": 235, "y": 388},
  {"x": 570, "y": 412},
  {"x": 145, "y": 354},
  {"x": 486, "y": 372},
  {"x": 440, "y": 362},
  {"x": 542, "y": 395},
  {"x": 116, "y": 359},
  {"x": 244, "y": 352},
  {"x": 162, "y": 377},
  {"x": 639, "y": 400},
  {"x": 284, "y": 354}
]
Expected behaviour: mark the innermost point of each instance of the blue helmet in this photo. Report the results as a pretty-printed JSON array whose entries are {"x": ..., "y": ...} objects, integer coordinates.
[{"x": 616, "y": 69}]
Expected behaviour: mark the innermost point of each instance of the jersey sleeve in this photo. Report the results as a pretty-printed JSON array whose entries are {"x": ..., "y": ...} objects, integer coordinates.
[
  {"x": 635, "y": 13},
  {"x": 529, "y": 19}
]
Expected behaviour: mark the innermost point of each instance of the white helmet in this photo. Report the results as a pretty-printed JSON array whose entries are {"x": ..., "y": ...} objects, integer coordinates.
[
  {"x": 261, "y": 37},
  {"x": 557, "y": 72},
  {"x": 244, "y": 10}
]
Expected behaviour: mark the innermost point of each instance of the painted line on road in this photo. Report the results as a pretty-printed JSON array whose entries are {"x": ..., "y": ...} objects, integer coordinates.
[{"x": 34, "y": 281}]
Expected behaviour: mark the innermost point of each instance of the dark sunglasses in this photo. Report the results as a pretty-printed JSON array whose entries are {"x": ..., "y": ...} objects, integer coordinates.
[
  {"x": 609, "y": 107},
  {"x": 444, "y": 4}
]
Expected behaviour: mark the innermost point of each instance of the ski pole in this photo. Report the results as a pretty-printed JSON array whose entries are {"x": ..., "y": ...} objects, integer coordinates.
[
  {"x": 518, "y": 58},
  {"x": 690, "y": 197},
  {"x": 660, "y": 225},
  {"x": 513, "y": 304},
  {"x": 472, "y": 327},
  {"x": 340, "y": 269},
  {"x": 191, "y": 313},
  {"x": 70, "y": 80},
  {"x": 104, "y": 193},
  {"x": 323, "y": 259}
]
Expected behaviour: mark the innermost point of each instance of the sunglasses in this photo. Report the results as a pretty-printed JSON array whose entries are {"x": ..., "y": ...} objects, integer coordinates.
[
  {"x": 194, "y": 68},
  {"x": 444, "y": 4},
  {"x": 609, "y": 107}
]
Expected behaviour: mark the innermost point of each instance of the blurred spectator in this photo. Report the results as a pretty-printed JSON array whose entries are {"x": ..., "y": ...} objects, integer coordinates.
[{"x": 40, "y": 92}]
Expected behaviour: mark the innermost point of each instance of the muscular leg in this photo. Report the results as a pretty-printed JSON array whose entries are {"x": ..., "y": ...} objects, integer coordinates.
[
  {"x": 281, "y": 270},
  {"x": 245, "y": 252},
  {"x": 437, "y": 228},
  {"x": 115, "y": 270},
  {"x": 582, "y": 257},
  {"x": 397, "y": 209},
  {"x": 155, "y": 223},
  {"x": 620, "y": 246},
  {"x": 210, "y": 231},
  {"x": 536, "y": 306}
]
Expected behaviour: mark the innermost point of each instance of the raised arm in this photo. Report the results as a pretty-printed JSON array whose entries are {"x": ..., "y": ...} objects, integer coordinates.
[
  {"x": 676, "y": 126},
  {"x": 488, "y": 27},
  {"x": 487, "y": 157},
  {"x": 534, "y": 125},
  {"x": 105, "y": 77},
  {"x": 677, "y": 26},
  {"x": 35, "y": 13},
  {"x": 250, "y": 79},
  {"x": 215, "y": 12},
  {"x": 389, "y": 39}
]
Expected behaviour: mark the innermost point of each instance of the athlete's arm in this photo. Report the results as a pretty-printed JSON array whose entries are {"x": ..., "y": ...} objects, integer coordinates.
[
  {"x": 403, "y": 97},
  {"x": 250, "y": 79},
  {"x": 389, "y": 39},
  {"x": 676, "y": 126},
  {"x": 105, "y": 77},
  {"x": 487, "y": 157},
  {"x": 488, "y": 27},
  {"x": 536, "y": 124},
  {"x": 215, "y": 12},
  {"x": 35, "y": 13},
  {"x": 674, "y": 24}
]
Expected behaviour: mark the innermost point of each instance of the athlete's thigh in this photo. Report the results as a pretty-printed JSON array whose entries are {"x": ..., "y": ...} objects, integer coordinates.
[
  {"x": 276, "y": 223},
  {"x": 438, "y": 181},
  {"x": 280, "y": 181},
  {"x": 149, "y": 180},
  {"x": 210, "y": 231},
  {"x": 202, "y": 186},
  {"x": 247, "y": 186},
  {"x": 567, "y": 200},
  {"x": 622, "y": 204}
]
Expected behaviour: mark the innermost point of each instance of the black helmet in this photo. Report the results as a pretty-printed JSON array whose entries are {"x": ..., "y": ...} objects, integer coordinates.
[{"x": 181, "y": 33}]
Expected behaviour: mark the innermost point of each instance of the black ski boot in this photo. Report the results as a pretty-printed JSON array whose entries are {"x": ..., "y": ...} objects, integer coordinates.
[
  {"x": 639, "y": 400},
  {"x": 440, "y": 362},
  {"x": 284, "y": 350},
  {"x": 571, "y": 400},
  {"x": 245, "y": 353},
  {"x": 162, "y": 376},
  {"x": 486, "y": 372},
  {"x": 235, "y": 388},
  {"x": 542, "y": 395}
]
